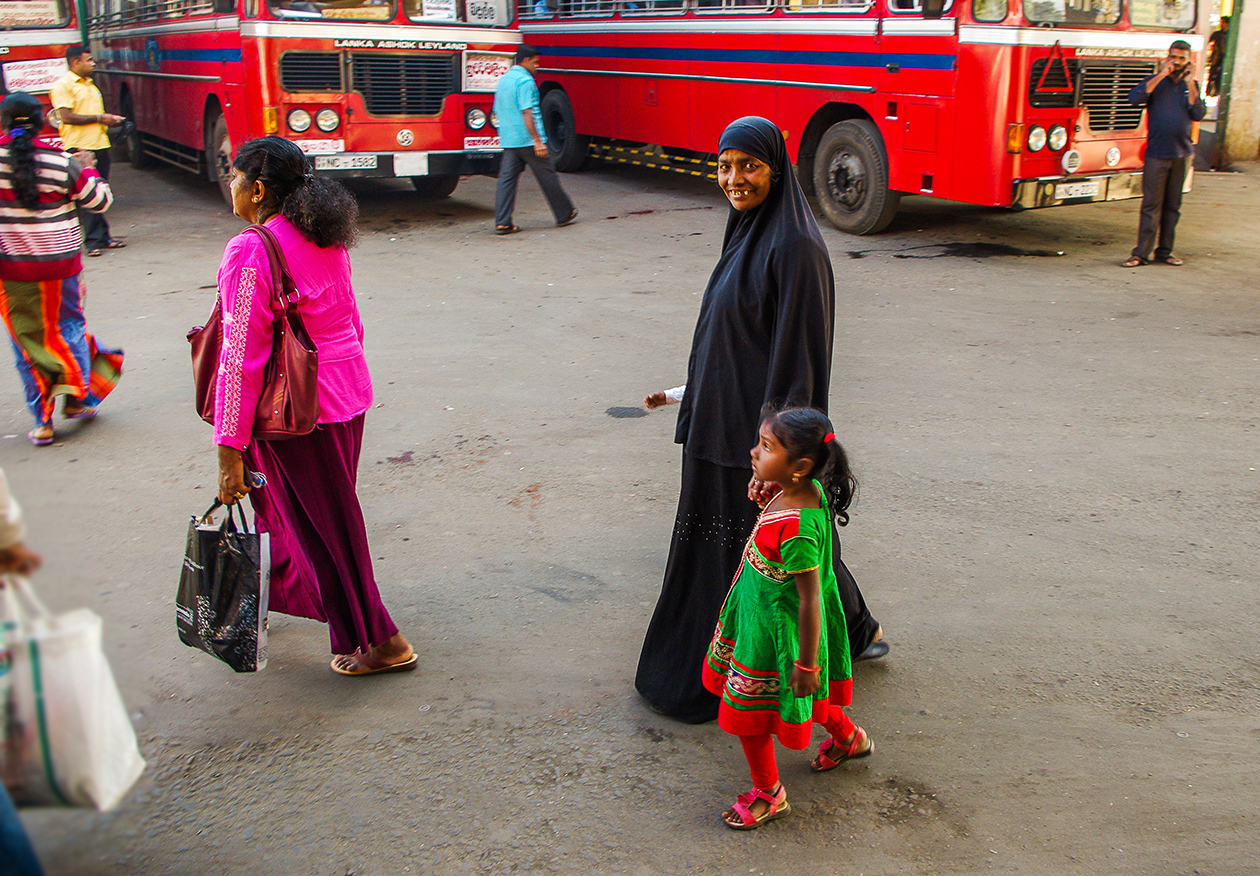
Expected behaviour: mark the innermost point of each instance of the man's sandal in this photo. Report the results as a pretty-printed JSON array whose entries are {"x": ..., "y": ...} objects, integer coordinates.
[
  {"x": 832, "y": 753},
  {"x": 506, "y": 229},
  {"x": 1134, "y": 262},
  {"x": 740, "y": 816},
  {"x": 1172, "y": 260}
]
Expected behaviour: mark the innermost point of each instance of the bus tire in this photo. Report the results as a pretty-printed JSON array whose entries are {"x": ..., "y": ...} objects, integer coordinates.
[
  {"x": 219, "y": 157},
  {"x": 135, "y": 140},
  {"x": 851, "y": 178},
  {"x": 435, "y": 188},
  {"x": 567, "y": 147}
]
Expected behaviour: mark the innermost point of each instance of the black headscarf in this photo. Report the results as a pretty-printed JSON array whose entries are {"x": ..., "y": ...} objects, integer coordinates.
[{"x": 765, "y": 326}]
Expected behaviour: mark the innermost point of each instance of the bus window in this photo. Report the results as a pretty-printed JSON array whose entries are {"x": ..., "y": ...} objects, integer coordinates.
[
  {"x": 1175, "y": 14},
  {"x": 586, "y": 7},
  {"x": 829, "y": 5},
  {"x": 914, "y": 5},
  {"x": 632, "y": 7},
  {"x": 1095, "y": 12},
  {"x": 33, "y": 13},
  {"x": 990, "y": 10},
  {"x": 349, "y": 10}
]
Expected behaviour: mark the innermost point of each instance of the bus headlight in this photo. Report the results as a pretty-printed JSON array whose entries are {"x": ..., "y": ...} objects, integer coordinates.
[
  {"x": 327, "y": 120},
  {"x": 494, "y": 120},
  {"x": 476, "y": 118},
  {"x": 1057, "y": 138},
  {"x": 299, "y": 120},
  {"x": 1036, "y": 138}
]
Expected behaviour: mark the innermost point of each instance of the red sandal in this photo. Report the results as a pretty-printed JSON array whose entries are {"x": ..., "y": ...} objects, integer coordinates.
[
  {"x": 740, "y": 815},
  {"x": 832, "y": 753}
]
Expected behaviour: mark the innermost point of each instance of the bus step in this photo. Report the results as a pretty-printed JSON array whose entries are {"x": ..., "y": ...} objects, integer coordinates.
[
  {"x": 170, "y": 152},
  {"x": 657, "y": 157}
]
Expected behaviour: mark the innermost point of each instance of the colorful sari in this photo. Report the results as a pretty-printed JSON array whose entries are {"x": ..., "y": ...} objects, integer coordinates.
[{"x": 55, "y": 354}]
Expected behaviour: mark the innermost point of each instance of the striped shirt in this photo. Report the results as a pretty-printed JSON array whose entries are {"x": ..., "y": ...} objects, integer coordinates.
[{"x": 44, "y": 244}]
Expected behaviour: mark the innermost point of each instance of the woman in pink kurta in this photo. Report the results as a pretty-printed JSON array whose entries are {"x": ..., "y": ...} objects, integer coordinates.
[{"x": 321, "y": 566}]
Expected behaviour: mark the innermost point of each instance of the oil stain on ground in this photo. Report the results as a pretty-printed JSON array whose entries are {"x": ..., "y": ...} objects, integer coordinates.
[{"x": 975, "y": 250}]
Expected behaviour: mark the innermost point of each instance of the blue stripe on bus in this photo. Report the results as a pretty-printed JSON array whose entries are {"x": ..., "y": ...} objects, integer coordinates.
[
  {"x": 219, "y": 56},
  {"x": 753, "y": 56}
]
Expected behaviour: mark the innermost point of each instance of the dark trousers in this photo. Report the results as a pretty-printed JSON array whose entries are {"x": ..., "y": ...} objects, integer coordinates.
[
  {"x": 1162, "y": 181},
  {"x": 17, "y": 858},
  {"x": 95, "y": 228},
  {"x": 514, "y": 161}
]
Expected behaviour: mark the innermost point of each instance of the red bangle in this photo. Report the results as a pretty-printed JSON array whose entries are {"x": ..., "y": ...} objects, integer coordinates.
[{"x": 798, "y": 665}]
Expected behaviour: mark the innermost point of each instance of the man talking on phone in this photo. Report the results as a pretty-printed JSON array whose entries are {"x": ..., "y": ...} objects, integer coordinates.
[{"x": 1173, "y": 104}]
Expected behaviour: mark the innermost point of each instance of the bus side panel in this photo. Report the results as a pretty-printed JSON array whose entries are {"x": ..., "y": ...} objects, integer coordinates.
[
  {"x": 595, "y": 96},
  {"x": 660, "y": 105}
]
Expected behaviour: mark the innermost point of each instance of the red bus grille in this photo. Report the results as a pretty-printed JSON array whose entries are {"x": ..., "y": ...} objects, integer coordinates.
[
  {"x": 404, "y": 85},
  {"x": 1104, "y": 91},
  {"x": 311, "y": 71}
]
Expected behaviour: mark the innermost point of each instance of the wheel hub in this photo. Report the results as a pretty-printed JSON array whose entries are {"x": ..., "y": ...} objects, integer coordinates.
[{"x": 847, "y": 180}]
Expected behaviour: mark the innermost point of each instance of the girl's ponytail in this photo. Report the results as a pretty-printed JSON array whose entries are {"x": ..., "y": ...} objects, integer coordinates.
[
  {"x": 23, "y": 117},
  {"x": 807, "y": 433},
  {"x": 837, "y": 479}
]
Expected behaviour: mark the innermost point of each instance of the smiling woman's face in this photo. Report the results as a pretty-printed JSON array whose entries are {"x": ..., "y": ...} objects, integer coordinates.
[{"x": 746, "y": 180}]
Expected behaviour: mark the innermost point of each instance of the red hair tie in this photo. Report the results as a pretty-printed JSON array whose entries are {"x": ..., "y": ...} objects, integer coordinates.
[{"x": 829, "y": 437}]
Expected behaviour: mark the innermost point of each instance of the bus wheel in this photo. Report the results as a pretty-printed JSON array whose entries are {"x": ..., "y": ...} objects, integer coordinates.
[
  {"x": 435, "y": 188},
  {"x": 568, "y": 148},
  {"x": 219, "y": 156},
  {"x": 134, "y": 142},
  {"x": 851, "y": 178}
]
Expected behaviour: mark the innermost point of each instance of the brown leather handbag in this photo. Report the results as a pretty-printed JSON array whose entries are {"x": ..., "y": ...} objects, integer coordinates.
[{"x": 289, "y": 404}]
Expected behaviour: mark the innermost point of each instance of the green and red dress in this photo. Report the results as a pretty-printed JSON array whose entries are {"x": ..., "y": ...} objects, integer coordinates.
[{"x": 750, "y": 658}]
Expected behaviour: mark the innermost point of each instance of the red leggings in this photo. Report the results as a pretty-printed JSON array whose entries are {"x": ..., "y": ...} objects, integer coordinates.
[{"x": 760, "y": 749}]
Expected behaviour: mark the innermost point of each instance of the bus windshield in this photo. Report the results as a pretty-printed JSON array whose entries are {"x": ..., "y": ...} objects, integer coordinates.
[
  {"x": 33, "y": 13},
  {"x": 490, "y": 12},
  {"x": 1175, "y": 14},
  {"x": 1096, "y": 13},
  {"x": 346, "y": 10}
]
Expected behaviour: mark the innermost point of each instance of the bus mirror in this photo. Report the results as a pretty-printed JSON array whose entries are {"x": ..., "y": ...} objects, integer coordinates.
[{"x": 933, "y": 8}]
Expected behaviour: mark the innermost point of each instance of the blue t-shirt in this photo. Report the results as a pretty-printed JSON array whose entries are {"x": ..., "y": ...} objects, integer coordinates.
[
  {"x": 1168, "y": 117},
  {"x": 516, "y": 93}
]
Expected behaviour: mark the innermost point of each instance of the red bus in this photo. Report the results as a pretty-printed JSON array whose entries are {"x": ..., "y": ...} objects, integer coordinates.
[
  {"x": 34, "y": 36},
  {"x": 1013, "y": 103},
  {"x": 369, "y": 88}
]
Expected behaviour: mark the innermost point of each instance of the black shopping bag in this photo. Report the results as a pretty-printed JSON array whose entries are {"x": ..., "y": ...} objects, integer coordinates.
[{"x": 221, "y": 606}]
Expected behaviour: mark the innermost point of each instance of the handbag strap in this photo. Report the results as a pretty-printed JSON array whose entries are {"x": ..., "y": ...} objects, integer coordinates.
[{"x": 281, "y": 280}]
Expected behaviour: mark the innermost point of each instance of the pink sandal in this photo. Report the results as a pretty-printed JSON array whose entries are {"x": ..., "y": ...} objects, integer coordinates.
[
  {"x": 740, "y": 816},
  {"x": 832, "y": 753}
]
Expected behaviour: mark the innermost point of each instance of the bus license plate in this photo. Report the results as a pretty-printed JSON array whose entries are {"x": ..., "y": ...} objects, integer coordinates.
[
  {"x": 345, "y": 162},
  {"x": 1066, "y": 191}
]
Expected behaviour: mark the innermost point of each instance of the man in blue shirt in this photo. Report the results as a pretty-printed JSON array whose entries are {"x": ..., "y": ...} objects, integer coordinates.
[
  {"x": 1172, "y": 105},
  {"x": 523, "y": 139}
]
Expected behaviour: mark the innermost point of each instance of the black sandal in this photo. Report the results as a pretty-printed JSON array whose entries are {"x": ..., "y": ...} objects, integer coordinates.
[{"x": 506, "y": 229}]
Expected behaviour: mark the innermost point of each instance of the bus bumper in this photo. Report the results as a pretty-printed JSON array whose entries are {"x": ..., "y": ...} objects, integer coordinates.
[
  {"x": 1050, "y": 191},
  {"x": 407, "y": 164}
]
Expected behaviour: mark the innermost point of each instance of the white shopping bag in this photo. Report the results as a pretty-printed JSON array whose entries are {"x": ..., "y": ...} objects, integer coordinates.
[{"x": 65, "y": 738}]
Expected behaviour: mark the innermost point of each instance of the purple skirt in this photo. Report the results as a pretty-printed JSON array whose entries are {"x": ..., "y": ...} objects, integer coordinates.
[{"x": 321, "y": 566}]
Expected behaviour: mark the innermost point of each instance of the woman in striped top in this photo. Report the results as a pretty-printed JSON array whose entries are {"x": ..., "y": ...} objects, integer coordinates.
[{"x": 41, "y": 293}]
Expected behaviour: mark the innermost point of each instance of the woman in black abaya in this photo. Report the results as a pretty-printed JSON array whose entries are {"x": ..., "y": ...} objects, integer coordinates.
[{"x": 763, "y": 336}]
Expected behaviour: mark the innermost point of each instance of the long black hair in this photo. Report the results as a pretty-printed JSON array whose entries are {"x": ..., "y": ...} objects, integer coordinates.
[
  {"x": 804, "y": 432},
  {"x": 321, "y": 208},
  {"x": 23, "y": 117}
]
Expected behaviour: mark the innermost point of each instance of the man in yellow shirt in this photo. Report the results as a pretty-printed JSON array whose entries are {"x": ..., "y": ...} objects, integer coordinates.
[{"x": 83, "y": 122}]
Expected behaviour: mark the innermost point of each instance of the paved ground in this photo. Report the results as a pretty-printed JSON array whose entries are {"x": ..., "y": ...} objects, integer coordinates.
[{"x": 1057, "y": 528}]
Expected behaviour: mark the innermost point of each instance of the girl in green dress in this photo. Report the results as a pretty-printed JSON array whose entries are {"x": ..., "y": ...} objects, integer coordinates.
[{"x": 779, "y": 658}]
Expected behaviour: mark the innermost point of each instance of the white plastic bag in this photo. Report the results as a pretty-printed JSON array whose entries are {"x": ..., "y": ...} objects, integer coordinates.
[{"x": 65, "y": 738}]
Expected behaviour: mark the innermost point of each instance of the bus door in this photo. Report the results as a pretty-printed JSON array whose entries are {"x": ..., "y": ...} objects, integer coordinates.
[{"x": 916, "y": 88}]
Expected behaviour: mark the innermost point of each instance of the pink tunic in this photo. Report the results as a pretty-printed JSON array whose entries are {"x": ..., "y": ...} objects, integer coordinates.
[{"x": 327, "y": 305}]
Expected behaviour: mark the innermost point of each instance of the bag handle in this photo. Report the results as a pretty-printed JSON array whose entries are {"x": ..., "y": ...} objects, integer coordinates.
[
  {"x": 229, "y": 524},
  {"x": 20, "y": 601}
]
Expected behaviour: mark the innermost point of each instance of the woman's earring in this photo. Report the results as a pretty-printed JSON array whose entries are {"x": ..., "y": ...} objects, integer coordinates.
[{"x": 796, "y": 478}]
